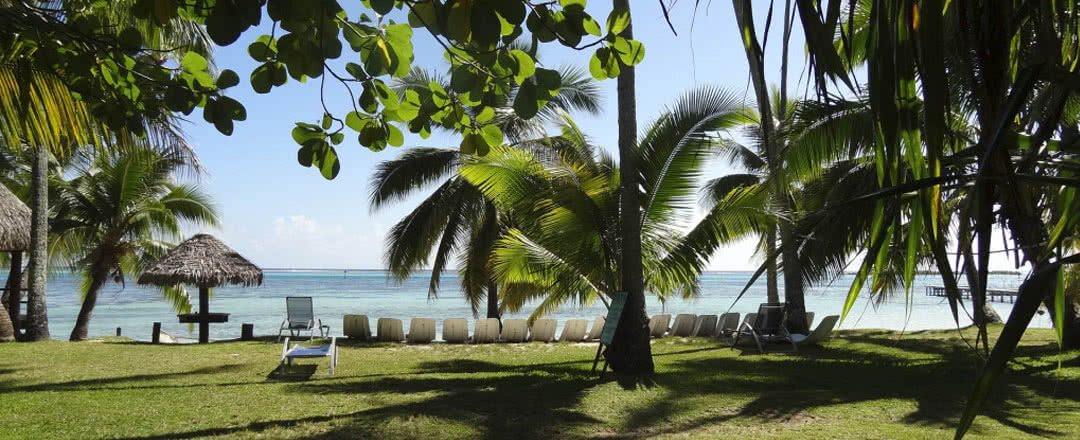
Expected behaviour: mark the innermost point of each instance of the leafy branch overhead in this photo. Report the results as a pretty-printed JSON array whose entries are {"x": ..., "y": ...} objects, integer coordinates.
[{"x": 490, "y": 44}]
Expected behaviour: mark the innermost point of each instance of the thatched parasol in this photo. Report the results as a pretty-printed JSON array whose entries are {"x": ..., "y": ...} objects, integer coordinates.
[
  {"x": 14, "y": 222},
  {"x": 205, "y": 262},
  {"x": 14, "y": 238}
]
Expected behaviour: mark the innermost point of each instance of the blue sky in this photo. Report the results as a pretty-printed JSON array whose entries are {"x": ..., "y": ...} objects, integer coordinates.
[{"x": 280, "y": 214}]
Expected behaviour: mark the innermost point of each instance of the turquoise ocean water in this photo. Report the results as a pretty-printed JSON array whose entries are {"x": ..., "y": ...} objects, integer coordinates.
[{"x": 336, "y": 293}]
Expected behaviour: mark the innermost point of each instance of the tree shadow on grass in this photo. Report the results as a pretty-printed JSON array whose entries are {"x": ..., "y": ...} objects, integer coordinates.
[
  {"x": 530, "y": 401},
  {"x": 122, "y": 382},
  {"x": 936, "y": 375}
]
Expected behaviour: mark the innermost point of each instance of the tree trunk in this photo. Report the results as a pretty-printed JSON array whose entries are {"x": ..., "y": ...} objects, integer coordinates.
[
  {"x": 7, "y": 331},
  {"x": 37, "y": 316},
  {"x": 13, "y": 292},
  {"x": 630, "y": 353},
  {"x": 82, "y": 322},
  {"x": 493, "y": 300},
  {"x": 793, "y": 283},
  {"x": 772, "y": 293}
]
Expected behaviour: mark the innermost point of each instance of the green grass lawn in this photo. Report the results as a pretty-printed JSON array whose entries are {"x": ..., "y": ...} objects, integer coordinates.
[{"x": 862, "y": 384}]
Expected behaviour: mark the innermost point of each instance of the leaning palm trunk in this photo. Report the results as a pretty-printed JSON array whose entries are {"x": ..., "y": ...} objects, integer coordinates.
[
  {"x": 630, "y": 353},
  {"x": 82, "y": 322},
  {"x": 37, "y": 317}
]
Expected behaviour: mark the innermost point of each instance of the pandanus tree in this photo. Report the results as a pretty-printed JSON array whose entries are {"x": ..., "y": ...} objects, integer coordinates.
[
  {"x": 565, "y": 246},
  {"x": 1014, "y": 66},
  {"x": 118, "y": 216},
  {"x": 457, "y": 219}
]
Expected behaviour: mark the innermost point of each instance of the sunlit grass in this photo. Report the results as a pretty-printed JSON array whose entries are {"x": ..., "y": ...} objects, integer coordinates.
[{"x": 864, "y": 384}]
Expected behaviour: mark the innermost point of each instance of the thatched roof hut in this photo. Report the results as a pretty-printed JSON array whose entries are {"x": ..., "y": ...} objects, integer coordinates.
[
  {"x": 202, "y": 261},
  {"x": 14, "y": 222}
]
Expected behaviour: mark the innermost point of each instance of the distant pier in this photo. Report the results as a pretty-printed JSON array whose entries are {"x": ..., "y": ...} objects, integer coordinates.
[{"x": 992, "y": 295}]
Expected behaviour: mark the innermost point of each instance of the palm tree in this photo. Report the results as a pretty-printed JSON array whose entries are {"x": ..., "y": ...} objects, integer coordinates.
[
  {"x": 112, "y": 220},
  {"x": 39, "y": 113},
  {"x": 456, "y": 218},
  {"x": 565, "y": 246}
]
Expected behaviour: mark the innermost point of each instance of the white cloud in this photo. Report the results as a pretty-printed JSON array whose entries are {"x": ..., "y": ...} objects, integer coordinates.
[{"x": 299, "y": 241}]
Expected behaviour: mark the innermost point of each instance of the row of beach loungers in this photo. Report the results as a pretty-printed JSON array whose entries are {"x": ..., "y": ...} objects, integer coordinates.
[{"x": 422, "y": 330}]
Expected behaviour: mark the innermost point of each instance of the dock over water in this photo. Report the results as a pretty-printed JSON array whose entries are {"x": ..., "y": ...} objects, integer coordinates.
[{"x": 992, "y": 295}]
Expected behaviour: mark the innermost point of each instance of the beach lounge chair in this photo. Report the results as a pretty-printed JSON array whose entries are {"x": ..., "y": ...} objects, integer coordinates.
[
  {"x": 455, "y": 331},
  {"x": 421, "y": 331},
  {"x": 297, "y": 351},
  {"x": 820, "y": 334},
  {"x": 683, "y": 325},
  {"x": 658, "y": 325},
  {"x": 705, "y": 325},
  {"x": 300, "y": 317},
  {"x": 767, "y": 326},
  {"x": 574, "y": 330},
  {"x": 597, "y": 328},
  {"x": 543, "y": 330},
  {"x": 390, "y": 330},
  {"x": 356, "y": 327},
  {"x": 515, "y": 330},
  {"x": 727, "y": 325},
  {"x": 486, "y": 331}
]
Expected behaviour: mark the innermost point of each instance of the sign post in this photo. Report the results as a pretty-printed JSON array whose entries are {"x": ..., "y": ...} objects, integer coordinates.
[{"x": 611, "y": 323}]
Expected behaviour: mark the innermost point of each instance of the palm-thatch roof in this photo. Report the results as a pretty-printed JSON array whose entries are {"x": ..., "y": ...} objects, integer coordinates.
[
  {"x": 14, "y": 222},
  {"x": 203, "y": 261}
]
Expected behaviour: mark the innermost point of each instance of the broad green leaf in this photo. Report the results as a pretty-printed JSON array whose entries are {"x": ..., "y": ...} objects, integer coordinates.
[
  {"x": 193, "y": 62},
  {"x": 227, "y": 79},
  {"x": 326, "y": 121},
  {"x": 357, "y": 121},
  {"x": 631, "y": 52},
  {"x": 382, "y": 7},
  {"x": 618, "y": 20},
  {"x": 261, "y": 78},
  {"x": 462, "y": 79},
  {"x": 459, "y": 21},
  {"x": 305, "y": 155},
  {"x": 485, "y": 115},
  {"x": 424, "y": 14},
  {"x": 526, "y": 66},
  {"x": 368, "y": 102},
  {"x": 409, "y": 107},
  {"x": 329, "y": 165},
  {"x": 492, "y": 135},
  {"x": 399, "y": 39},
  {"x": 591, "y": 26},
  {"x": 486, "y": 28},
  {"x": 525, "y": 103},
  {"x": 394, "y": 136}
]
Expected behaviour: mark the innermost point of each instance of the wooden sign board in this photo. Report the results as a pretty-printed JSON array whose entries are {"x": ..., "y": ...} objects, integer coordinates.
[
  {"x": 607, "y": 336},
  {"x": 618, "y": 302}
]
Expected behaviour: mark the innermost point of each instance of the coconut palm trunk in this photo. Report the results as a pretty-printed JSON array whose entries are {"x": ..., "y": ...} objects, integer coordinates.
[
  {"x": 493, "y": 300},
  {"x": 630, "y": 353},
  {"x": 789, "y": 253},
  {"x": 37, "y": 316},
  {"x": 772, "y": 291},
  {"x": 99, "y": 276}
]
